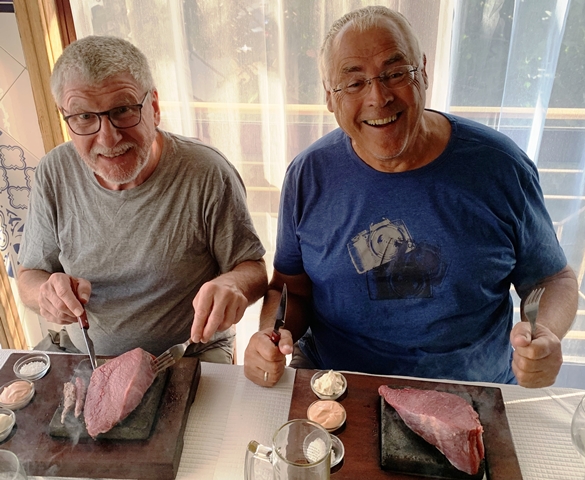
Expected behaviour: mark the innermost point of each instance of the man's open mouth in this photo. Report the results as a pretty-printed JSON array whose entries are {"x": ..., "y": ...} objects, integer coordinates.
[{"x": 381, "y": 121}]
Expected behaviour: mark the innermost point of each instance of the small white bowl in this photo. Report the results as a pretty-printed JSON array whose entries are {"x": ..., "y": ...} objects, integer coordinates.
[
  {"x": 40, "y": 360},
  {"x": 4, "y": 432},
  {"x": 22, "y": 402},
  {"x": 324, "y": 396}
]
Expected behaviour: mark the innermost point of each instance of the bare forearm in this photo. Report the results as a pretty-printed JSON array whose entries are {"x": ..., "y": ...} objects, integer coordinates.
[
  {"x": 250, "y": 278},
  {"x": 558, "y": 304},
  {"x": 29, "y": 283}
]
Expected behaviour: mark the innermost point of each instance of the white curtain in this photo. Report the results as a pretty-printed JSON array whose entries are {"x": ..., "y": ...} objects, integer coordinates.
[{"x": 242, "y": 75}]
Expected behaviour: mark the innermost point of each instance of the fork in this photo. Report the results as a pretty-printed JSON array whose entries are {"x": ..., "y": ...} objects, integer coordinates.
[
  {"x": 170, "y": 356},
  {"x": 531, "y": 308}
]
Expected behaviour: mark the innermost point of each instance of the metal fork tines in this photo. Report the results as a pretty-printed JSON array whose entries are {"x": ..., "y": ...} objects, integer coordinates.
[
  {"x": 531, "y": 308},
  {"x": 170, "y": 356}
]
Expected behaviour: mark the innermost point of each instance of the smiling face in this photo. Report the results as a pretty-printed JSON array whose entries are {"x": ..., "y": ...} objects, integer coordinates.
[
  {"x": 384, "y": 124},
  {"x": 120, "y": 158}
]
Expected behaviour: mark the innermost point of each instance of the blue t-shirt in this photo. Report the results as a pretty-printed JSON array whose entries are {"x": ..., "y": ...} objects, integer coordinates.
[{"x": 411, "y": 271}]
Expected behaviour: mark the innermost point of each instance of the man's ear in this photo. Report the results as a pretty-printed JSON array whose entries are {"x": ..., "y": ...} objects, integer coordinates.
[
  {"x": 424, "y": 72},
  {"x": 156, "y": 107},
  {"x": 328, "y": 98}
]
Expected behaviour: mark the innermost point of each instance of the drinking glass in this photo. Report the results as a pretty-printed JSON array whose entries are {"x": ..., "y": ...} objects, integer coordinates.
[
  {"x": 10, "y": 466},
  {"x": 300, "y": 450},
  {"x": 578, "y": 428}
]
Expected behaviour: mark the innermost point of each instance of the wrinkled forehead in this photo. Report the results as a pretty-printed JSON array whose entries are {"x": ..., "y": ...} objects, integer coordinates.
[
  {"x": 79, "y": 93},
  {"x": 383, "y": 43}
]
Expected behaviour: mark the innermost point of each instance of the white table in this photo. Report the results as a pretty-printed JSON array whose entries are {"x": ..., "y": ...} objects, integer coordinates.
[{"x": 229, "y": 411}]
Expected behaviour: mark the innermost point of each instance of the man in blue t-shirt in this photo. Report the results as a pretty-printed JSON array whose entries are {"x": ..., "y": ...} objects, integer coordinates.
[{"x": 401, "y": 233}]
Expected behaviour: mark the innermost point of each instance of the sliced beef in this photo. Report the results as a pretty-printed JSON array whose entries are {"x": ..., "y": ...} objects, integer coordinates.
[
  {"x": 116, "y": 388},
  {"x": 80, "y": 392},
  {"x": 68, "y": 399},
  {"x": 444, "y": 420}
]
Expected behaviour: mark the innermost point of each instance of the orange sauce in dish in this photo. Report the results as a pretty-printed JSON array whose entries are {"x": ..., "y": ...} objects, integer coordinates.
[{"x": 15, "y": 392}]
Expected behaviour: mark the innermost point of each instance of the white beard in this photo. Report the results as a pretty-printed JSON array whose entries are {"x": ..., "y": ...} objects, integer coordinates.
[{"x": 119, "y": 174}]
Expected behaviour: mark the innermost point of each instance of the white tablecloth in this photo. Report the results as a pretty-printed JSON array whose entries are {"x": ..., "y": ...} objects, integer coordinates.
[{"x": 229, "y": 411}]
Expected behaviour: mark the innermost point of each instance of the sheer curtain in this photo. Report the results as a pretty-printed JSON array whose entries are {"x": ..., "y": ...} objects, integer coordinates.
[{"x": 242, "y": 75}]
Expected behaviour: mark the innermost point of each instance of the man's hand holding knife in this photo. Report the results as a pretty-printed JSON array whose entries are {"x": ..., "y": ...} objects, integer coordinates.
[{"x": 265, "y": 357}]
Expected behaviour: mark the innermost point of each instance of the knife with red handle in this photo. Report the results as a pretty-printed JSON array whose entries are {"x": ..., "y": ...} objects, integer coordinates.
[{"x": 280, "y": 314}]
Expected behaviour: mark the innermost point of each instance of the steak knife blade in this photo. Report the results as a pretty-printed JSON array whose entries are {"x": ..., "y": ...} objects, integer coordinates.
[
  {"x": 84, "y": 324},
  {"x": 280, "y": 314}
]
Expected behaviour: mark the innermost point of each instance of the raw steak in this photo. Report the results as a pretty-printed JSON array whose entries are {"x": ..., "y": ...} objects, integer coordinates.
[
  {"x": 444, "y": 420},
  {"x": 115, "y": 389}
]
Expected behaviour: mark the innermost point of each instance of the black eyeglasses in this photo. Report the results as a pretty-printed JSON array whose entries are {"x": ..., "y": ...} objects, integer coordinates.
[
  {"x": 397, "y": 77},
  {"x": 88, "y": 123}
]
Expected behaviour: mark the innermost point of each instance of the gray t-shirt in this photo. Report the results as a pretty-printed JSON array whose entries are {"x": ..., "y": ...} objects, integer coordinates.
[{"x": 146, "y": 250}]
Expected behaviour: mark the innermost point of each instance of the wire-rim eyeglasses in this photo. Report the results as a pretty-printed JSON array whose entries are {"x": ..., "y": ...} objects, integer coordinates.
[{"x": 393, "y": 78}]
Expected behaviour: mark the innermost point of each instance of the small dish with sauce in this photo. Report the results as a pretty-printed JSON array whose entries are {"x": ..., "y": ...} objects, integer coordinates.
[
  {"x": 32, "y": 366},
  {"x": 328, "y": 384},
  {"x": 328, "y": 413},
  {"x": 7, "y": 421},
  {"x": 16, "y": 394}
]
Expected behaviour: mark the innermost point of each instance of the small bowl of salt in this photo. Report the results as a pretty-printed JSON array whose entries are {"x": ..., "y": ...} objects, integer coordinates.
[
  {"x": 314, "y": 448},
  {"x": 32, "y": 366}
]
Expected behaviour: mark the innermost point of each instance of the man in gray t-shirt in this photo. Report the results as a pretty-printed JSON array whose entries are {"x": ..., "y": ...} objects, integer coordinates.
[{"x": 146, "y": 231}]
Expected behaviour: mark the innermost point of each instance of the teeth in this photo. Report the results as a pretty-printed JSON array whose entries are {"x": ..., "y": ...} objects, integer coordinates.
[
  {"x": 382, "y": 121},
  {"x": 113, "y": 154}
]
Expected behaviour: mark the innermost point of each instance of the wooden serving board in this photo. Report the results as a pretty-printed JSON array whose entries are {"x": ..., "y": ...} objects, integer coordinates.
[
  {"x": 361, "y": 432},
  {"x": 156, "y": 458}
]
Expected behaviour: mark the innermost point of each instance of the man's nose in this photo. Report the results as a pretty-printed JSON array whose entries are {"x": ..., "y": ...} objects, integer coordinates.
[
  {"x": 108, "y": 135},
  {"x": 377, "y": 93}
]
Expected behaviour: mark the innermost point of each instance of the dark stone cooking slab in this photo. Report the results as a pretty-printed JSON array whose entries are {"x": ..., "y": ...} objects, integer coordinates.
[
  {"x": 361, "y": 432},
  {"x": 402, "y": 450},
  {"x": 136, "y": 426},
  {"x": 156, "y": 458}
]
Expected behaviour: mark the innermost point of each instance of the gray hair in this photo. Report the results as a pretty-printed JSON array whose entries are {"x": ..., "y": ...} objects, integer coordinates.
[
  {"x": 362, "y": 20},
  {"x": 93, "y": 59}
]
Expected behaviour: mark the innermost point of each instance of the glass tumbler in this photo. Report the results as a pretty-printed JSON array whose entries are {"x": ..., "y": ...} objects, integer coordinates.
[{"x": 10, "y": 466}]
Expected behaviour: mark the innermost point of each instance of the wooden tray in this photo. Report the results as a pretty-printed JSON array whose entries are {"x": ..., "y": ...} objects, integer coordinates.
[
  {"x": 361, "y": 432},
  {"x": 156, "y": 458}
]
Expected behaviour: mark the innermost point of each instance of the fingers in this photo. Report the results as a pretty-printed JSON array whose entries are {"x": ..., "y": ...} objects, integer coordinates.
[
  {"x": 58, "y": 298},
  {"x": 536, "y": 362},
  {"x": 263, "y": 361},
  {"x": 217, "y": 307}
]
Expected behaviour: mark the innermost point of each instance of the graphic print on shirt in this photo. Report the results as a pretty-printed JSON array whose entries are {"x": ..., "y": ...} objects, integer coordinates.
[{"x": 395, "y": 266}]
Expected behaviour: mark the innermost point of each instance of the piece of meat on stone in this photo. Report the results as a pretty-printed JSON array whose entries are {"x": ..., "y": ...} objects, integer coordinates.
[
  {"x": 443, "y": 419},
  {"x": 116, "y": 388},
  {"x": 68, "y": 399},
  {"x": 80, "y": 392}
]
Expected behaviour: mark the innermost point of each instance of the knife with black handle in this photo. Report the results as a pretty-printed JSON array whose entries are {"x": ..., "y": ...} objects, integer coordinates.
[{"x": 280, "y": 314}]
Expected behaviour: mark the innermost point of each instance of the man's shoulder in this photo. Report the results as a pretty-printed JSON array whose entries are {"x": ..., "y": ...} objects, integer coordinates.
[
  {"x": 329, "y": 145},
  {"x": 486, "y": 146},
  {"x": 193, "y": 148},
  {"x": 334, "y": 138},
  {"x": 473, "y": 131},
  {"x": 64, "y": 149},
  {"x": 197, "y": 159},
  {"x": 61, "y": 157}
]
